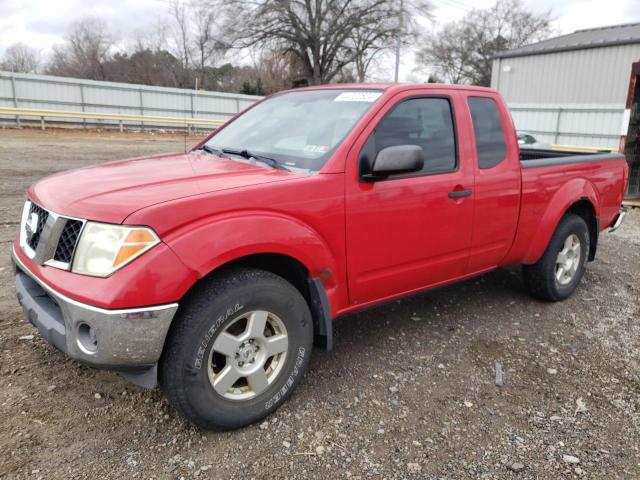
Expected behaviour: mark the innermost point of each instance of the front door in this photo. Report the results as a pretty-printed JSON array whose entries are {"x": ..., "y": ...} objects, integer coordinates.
[{"x": 414, "y": 230}]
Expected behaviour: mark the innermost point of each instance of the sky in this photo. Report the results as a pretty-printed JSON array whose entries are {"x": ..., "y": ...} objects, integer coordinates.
[{"x": 43, "y": 23}]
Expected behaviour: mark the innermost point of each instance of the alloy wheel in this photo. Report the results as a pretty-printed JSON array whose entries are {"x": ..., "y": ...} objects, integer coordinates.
[{"x": 248, "y": 355}]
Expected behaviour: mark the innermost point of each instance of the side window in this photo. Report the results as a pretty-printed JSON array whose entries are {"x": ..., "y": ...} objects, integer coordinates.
[
  {"x": 490, "y": 143},
  {"x": 426, "y": 122}
]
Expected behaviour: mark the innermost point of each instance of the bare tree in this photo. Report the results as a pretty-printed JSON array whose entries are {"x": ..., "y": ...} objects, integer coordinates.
[
  {"x": 20, "y": 58},
  {"x": 171, "y": 54},
  {"x": 463, "y": 51},
  {"x": 152, "y": 38},
  {"x": 208, "y": 48},
  {"x": 325, "y": 35},
  {"x": 85, "y": 51},
  {"x": 445, "y": 55},
  {"x": 195, "y": 41},
  {"x": 370, "y": 42},
  {"x": 277, "y": 69},
  {"x": 180, "y": 41},
  {"x": 367, "y": 48}
]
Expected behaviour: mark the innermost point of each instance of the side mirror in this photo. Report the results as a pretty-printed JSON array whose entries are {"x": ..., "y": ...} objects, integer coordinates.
[{"x": 396, "y": 160}]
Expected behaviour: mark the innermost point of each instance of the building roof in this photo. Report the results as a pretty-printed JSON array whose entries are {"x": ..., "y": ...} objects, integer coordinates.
[{"x": 580, "y": 39}]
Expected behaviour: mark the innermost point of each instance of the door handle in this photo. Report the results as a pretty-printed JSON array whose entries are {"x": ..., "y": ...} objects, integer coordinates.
[{"x": 459, "y": 193}]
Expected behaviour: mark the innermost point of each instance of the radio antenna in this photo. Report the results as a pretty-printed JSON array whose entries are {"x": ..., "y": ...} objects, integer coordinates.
[
  {"x": 185, "y": 126},
  {"x": 188, "y": 126}
]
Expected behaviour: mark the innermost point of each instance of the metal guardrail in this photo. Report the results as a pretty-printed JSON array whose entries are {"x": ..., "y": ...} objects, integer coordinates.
[
  {"x": 187, "y": 122},
  {"x": 120, "y": 118},
  {"x": 44, "y": 92}
]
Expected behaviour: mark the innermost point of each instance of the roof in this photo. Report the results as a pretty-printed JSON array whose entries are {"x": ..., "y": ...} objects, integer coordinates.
[
  {"x": 394, "y": 87},
  {"x": 624, "y": 34}
]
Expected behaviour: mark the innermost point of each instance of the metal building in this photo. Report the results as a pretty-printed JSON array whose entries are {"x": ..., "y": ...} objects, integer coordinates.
[{"x": 571, "y": 89}]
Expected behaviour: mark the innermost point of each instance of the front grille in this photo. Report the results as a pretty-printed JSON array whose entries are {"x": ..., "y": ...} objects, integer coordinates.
[
  {"x": 53, "y": 245},
  {"x": 43, "y": 215},
  {"x": 68, "y": 240}
]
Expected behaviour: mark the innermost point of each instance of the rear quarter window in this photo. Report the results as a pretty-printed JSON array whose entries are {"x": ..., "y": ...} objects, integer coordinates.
[{"x": 487, "y": 126}]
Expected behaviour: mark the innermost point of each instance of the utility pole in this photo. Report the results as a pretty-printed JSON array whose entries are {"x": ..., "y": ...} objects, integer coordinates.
[{"x": 399, "y": 41}]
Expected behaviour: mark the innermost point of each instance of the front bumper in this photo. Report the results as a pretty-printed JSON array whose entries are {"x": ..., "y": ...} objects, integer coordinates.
[{"x": 126, "y": 340}]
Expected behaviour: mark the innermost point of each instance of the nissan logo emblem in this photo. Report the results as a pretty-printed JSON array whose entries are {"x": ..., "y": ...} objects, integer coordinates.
[{"x": 31, "y": 225}]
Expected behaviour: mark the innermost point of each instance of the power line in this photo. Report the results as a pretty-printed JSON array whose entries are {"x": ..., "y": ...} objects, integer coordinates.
[
  {"x": 462, "y": 4},
  {"x": 455, "y": 4}
]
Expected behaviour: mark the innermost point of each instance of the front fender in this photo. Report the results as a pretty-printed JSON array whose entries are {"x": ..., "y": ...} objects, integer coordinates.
[
  {"x": 568, "y": 194},
  {"x": 214, "y": 241}
]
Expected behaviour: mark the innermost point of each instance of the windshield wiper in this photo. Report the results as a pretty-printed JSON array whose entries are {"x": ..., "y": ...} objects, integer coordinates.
[
  {"x": 272, "y": 162},
  {"x": 212, "y": 150}
]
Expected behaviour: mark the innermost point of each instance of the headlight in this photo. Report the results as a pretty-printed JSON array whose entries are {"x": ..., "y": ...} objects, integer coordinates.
[{"x": 105, "y": 248}]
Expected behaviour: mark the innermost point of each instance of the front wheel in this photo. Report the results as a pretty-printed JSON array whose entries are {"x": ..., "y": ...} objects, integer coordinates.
[
  {"x": 557, "y": 274},
  {"x": 238, "y": 349}
]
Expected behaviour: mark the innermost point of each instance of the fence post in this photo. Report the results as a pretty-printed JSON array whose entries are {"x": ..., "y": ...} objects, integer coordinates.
[
  {"x": 557, "y": 131},
  {"x": 193, "y": 114},
  {"x": 42, "y": 123},
  {"x": 237, "y": 105},
  {"x": 141, "y": 107},
  {"x": 82, "y": 105},
  {"x": 15, "y": 98}
]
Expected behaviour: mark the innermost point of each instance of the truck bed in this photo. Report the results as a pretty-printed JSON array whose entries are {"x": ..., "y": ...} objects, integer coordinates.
[
  {"x": 550, "y": 181},
  {"x": 531, "y": 157}
]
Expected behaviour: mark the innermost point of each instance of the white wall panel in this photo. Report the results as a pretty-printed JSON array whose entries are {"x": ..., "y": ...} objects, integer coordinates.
[
  {"x": 71, "y": 94},
  {"x": 571, "y": 124},
  {"x": 588, "y": 76}
]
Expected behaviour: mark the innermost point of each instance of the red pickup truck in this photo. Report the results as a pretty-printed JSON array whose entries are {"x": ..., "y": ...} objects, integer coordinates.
[{"x": 214, "y": 272}]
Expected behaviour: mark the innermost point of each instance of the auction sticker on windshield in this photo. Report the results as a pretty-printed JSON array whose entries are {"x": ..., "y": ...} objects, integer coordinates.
[{"x": 358, "y": 97}]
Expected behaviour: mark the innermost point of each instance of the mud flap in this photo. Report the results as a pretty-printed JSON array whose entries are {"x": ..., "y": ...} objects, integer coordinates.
[{"x": 321, "y": 312}]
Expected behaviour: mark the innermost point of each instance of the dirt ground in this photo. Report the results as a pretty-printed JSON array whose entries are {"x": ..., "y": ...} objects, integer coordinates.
[{"x": 408, "y": 392}]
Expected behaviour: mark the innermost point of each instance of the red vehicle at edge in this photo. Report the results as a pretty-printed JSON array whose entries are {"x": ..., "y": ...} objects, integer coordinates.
[{"x": 214, "y": 272}]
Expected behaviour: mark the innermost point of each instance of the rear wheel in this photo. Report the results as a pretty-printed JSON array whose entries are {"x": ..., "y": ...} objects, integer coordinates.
[
  {"x": 237, "y": 350},
  {"x": 557, "y": 274}
]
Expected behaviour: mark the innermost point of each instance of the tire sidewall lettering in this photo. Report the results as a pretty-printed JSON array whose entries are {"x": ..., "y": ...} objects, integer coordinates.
[
  {"x": 296, "y": 370},
  {"x": 211, "y": 333}
]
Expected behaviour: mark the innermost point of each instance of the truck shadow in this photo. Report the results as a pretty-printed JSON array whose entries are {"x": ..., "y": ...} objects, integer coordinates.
[
  {"x": 408, "y": 324},
  {"x": 440, "y": 309}
]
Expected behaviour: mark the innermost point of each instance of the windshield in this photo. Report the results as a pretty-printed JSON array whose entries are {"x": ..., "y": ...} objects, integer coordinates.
[{"x": 297, "y": 129}]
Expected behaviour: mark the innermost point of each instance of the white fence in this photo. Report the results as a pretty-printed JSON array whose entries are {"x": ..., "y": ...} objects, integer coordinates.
[
  {"x": 580, "y": 125},
  {"x": 76, "y": 95}
]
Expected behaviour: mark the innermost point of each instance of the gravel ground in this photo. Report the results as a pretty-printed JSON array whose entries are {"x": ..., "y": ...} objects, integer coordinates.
[{"x": 408, "y": 392}]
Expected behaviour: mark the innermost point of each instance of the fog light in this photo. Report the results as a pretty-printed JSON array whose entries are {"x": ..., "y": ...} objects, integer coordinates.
[{"x": 87, "y": 338}]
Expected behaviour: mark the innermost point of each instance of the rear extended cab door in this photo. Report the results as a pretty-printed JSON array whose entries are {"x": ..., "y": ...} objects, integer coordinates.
[
  {"x": 495, "y": 157},
  {"x": 410, "y": 231}
]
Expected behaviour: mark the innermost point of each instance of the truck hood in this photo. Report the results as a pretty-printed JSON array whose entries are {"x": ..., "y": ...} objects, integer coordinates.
[{"x": 112, "y": 191}]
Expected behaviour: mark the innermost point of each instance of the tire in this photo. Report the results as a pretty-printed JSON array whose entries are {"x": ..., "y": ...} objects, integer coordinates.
[
  {"x": 544, "y": 279},
  {"x": 227, "y": 313}
]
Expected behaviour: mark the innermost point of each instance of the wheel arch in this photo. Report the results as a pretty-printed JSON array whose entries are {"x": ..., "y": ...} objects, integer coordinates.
[
  {"x": 585, "y": 209},
  {"x": 279, "y": 243},
  {"x": 577, "y": 196},
  {"x": 297, "y": 274}
]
